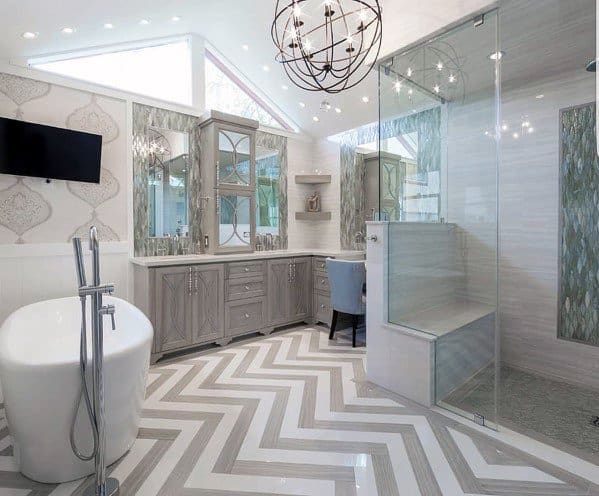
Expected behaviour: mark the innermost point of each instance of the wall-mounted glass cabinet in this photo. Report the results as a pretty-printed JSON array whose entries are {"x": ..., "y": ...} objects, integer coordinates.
[{"x": 228, "y": 170}]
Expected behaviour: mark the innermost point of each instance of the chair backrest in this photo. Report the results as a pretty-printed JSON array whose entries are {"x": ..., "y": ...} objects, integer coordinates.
[{"x": 347, "y": 279}]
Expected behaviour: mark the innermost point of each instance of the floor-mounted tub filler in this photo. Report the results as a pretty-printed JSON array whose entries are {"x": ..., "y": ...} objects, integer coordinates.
[{"x": 40, "y": 371}]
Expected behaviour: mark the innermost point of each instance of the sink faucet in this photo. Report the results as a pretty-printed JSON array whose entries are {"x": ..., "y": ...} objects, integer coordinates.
[{"x": 102, "y": 485}]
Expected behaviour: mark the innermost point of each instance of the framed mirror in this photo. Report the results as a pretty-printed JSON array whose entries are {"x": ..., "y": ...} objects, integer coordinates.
[
  {"x": 166, "y": 202},
  {"x": 168, "y": 172}
]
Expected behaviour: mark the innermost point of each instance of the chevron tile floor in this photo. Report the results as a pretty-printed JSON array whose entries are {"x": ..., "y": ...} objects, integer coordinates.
[{"x": 292, "y": 414}]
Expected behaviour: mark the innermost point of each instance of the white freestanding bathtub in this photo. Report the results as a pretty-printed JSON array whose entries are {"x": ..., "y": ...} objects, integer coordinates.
[{"x": 39, "y": 371}]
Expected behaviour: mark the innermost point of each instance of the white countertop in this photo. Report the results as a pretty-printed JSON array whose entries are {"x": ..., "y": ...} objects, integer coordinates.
[{"x": 166, "y": 261}]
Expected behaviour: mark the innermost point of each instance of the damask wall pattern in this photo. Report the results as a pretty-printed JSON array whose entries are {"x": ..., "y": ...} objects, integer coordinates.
[{"x": 32, "y": 211}]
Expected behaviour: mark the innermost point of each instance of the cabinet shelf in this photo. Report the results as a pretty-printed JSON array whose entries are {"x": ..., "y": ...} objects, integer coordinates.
[
  {"x": 312, "y": 178},
  {"x": 312, "y": 215}
]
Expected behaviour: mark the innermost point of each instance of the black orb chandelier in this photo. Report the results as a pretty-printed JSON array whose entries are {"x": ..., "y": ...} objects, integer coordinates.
[{"x": 324, "y": 45}]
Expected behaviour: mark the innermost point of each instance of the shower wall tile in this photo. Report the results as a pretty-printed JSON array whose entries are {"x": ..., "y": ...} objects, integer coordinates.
[{"x": 529, "y": 238}]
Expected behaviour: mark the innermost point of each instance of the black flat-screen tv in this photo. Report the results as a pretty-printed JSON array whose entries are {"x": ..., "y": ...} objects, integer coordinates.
[{"x": 36, "y": 150}]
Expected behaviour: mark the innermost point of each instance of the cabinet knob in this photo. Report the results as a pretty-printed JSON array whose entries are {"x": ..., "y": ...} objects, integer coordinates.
[
  {"x": 323, "y": 281},
  {"x": 246, "y": 287},
  {"x": 247, "y": 315},
  {"x": 323, "y": 305},
  {"x": 246, "y": 269},
  {"x": 323, "y": 265}
]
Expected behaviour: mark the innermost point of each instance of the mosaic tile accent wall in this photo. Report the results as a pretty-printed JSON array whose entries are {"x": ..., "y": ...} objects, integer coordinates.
[
  {"x": 353, "y": 190},
  {"x": 579, "y": 222}
]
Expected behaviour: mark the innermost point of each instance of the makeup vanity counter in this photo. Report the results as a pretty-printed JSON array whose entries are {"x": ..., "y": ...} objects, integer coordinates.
[{"x": 194, "y": 300}]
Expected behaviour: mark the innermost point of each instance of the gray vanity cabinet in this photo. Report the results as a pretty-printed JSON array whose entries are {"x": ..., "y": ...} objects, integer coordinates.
[
  {"x": 189, "y": 306},
  {"x": 172, "y": 301},
  {"x": 290, "y": 290},
  {"x": 207, "y": 305}
]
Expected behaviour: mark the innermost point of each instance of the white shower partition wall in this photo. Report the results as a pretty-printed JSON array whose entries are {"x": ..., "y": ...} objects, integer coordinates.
[{"x": 439, "y": 100}]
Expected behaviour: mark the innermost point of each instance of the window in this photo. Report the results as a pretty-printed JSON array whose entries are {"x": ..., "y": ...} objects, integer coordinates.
[
  {"x": 227, "y": 93},
  {"x": 161, "y": 71}
]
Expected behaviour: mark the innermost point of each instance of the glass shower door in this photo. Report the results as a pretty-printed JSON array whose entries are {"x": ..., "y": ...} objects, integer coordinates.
[{"x": 438, "y": 115}]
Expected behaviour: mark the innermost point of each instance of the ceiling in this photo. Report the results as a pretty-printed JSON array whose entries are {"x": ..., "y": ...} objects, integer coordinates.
[{"x": 227, "y": 25}]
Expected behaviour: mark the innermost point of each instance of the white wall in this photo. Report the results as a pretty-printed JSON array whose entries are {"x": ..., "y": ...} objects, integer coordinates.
[{"x": 304, "y": 157}]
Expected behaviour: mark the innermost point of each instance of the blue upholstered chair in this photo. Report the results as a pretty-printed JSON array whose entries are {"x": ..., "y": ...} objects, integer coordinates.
[{"x": 347, "y": 281}]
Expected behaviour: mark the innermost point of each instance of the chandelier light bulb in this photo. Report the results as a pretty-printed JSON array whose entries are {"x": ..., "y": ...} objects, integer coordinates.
[
  {"x": 451, "y": 78},
  {"x": 409, "y": 72},
  {"x": 397, "y": 86},
  {"x": 439, "y": 66},
  {"x": 436, "y": 88}
]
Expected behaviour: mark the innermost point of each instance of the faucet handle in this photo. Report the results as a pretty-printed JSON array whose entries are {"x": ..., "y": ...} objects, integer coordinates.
[{"x": 109, "y": 310}]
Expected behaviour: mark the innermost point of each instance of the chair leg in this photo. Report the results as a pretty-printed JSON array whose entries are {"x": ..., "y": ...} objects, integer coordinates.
[
  {"x": 333, "y": 324},
  {"x": 354, "y": 329}
]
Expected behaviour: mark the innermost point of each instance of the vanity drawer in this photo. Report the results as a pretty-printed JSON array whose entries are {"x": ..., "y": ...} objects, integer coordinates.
[
  {"x": 245, "y": 269},
  {"x": 323, "y": 312},
  {"x": 245, "y": 287},
  {"x": 321, "y": 283},
  {"x": 244, "y": 316},
  {"x": 320, "y": 264}
]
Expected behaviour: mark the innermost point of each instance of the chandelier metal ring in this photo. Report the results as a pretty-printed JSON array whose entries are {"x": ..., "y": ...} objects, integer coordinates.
[{"x": 324, "y": 46}]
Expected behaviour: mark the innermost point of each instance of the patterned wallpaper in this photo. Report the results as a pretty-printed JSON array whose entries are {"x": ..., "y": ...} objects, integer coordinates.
[
  {"x": 579, "y": 219},
  {"x": 32, "y": 211}
]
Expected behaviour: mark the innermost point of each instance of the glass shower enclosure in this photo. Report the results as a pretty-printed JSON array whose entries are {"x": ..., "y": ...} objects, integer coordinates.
[{"x": 438, "y": 188}]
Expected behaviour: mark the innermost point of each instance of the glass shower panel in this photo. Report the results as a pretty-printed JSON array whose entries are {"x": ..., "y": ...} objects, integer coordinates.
[{"x": 438, "y": 100}]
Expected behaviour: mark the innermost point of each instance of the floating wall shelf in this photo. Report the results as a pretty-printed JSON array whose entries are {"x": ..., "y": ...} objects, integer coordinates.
[
  {"x": 312, "y": 215},
  {"x": 312, "y": 178}
]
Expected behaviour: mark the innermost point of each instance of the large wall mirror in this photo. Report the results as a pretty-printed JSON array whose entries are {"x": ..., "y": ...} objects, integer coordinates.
[
  {"x": 271, "y": 191},
  {"x": 168, "y": 171},
  {"x": 165, "y": 182}
]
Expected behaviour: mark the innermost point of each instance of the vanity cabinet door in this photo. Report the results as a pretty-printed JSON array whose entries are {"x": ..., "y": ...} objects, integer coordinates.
[
  {"x": 300, "y": 289},
  {"x": 173, "y": 311},
  {"x": 208, "y": 303},
  {"x": 279, "y": 273}
]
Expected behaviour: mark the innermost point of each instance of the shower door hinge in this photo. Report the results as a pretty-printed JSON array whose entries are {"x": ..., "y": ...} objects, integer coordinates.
[
  {"x": 479, "y": 419},
  {"x": 479, "y": 20}
]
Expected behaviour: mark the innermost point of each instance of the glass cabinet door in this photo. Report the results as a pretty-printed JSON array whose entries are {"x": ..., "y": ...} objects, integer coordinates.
[
  {"x": 235, "y": 161},
  {"x": 236, "y": 220}
]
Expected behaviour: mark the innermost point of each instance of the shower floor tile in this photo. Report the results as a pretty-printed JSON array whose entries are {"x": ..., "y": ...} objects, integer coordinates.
[{"x": 540, "y": 407}]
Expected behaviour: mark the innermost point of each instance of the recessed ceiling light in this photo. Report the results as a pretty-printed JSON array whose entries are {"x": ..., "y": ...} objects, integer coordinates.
[
  {"x": 285, "y": 87},
  {"x": 302, "y": 104},
  {"x": 365, "y": 99},
  {"x": 108, "y": 25},
  {"x": 67, "y": 30},
  {"x": 245, "y": 47},
  {"x": 338, "y": 110},
  {"x": 515, "y": 135},
  {"x": 30, "y": 35},
  {"x": 175, "y": 18},
  {"x": 315, "y": 119},
  {"x": 497, "y": 55},
  {"x": 540, "y": 97},
  {"x": 145, "y": 22},
  {"x": 504, "y": 127},
  {"x": 265, "y": 68},
  {"x": 531, "y": 130}
]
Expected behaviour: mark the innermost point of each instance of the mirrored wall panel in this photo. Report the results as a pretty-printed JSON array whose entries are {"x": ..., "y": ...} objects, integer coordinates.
[
  {"x": 268, "y": 172},
  {"x": 168, "y": 171}
]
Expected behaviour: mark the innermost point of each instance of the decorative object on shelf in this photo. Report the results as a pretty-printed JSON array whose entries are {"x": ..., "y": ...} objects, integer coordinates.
[
  {"x": 324, "y": 46},
  {"x": 313, "y": 202}
]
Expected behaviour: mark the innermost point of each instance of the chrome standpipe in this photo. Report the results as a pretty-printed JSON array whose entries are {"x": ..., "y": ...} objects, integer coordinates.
[{"x": 102, "y": 485}]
